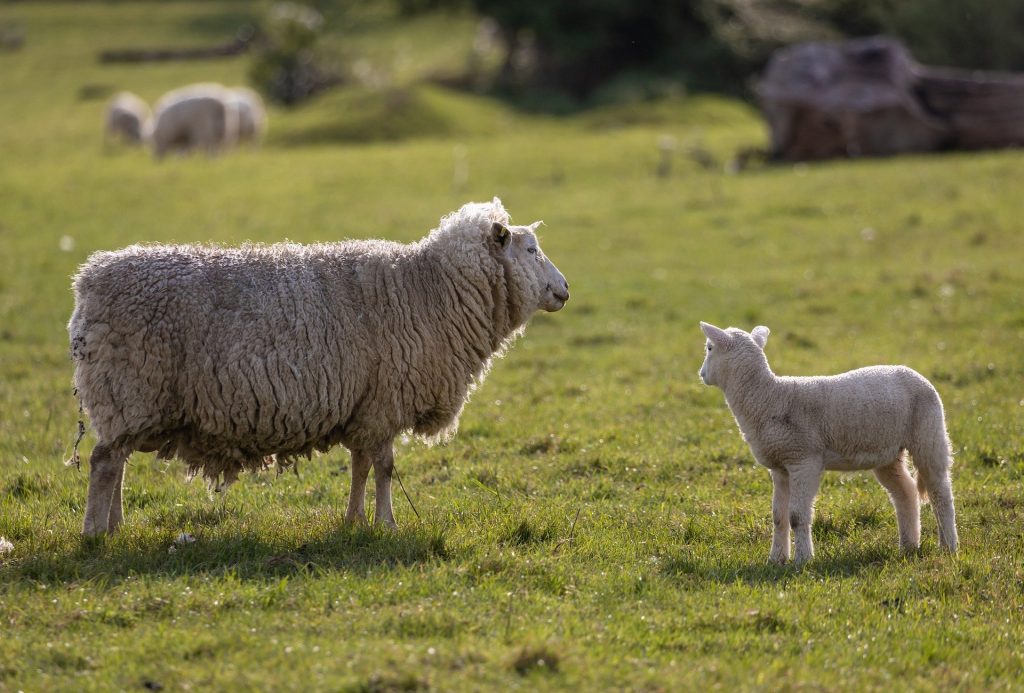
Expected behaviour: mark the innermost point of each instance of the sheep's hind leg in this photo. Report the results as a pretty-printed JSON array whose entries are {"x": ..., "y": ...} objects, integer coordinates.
[
  {"x": 356, "y": 513},
  {"x": 896, "y": 479},
  {"x": 804, "y": 480},
  {"x": 106, "y": 467},
  {"x": 383, "y": 467},
  {"x": 780, "y": 516},
  {"x": 116, "y": 515}
]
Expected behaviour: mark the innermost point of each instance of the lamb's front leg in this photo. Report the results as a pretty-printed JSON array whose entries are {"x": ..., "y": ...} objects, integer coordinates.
[
  {"x": 361, "y": 463},
  {"x": 780, "y": 516},
  {"x": 383, "y": 467},
  {"x": 804, "y": 479}
]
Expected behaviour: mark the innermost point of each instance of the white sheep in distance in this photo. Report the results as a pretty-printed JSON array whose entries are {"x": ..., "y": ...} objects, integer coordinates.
[
  {"x": 128, "y": 118},
  {"x": 252, "y": 115},
  {"x": 199, "y": 116},
  {"x": 234, "y": 358},
  {"x": 798, "y": 427}
]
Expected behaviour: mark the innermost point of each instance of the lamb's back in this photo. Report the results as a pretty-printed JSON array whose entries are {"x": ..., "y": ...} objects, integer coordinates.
[{"x": 860, "y": 416}]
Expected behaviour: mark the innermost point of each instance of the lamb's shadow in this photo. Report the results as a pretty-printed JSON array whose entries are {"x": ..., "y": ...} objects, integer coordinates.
[
  {"x": 687, "y": 568},
  {"x": 355, "y": 550}
]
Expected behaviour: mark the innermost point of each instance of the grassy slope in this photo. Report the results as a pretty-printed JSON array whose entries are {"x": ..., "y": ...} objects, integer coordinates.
[{"x": 598, "y": 510}]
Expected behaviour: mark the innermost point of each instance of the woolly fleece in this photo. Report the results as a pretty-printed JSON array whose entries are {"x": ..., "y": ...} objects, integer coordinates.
[{"x": 232, "y": 358}]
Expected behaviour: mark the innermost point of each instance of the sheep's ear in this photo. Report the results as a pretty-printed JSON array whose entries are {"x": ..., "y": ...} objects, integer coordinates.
[
  {"x": 716, "y": 335},
  {"x": 501, "y": 234},
  {"x": 536, "y": 225},
  {"x": 760, "y": 335}
]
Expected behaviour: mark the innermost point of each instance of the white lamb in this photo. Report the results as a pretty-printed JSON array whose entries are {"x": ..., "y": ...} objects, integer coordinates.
[
  {"x": 128, "y": 119},
  {"x": 799, "y": 427},
  {"x": 252, "y": 116},
  {"x": 199, "y": 116}
]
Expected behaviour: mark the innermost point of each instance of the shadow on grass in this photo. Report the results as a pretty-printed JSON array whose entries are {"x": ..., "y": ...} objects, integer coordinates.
[
  {"x": 705, "y": 568},
  {"x": 357, "y": 550}
]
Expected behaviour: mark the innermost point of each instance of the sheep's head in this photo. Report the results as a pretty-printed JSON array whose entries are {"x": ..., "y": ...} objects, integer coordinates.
[
  {"x": 534, "y": 277},
  {"x": 533, "y": 282},
  {"x": 729, "y": 350}
]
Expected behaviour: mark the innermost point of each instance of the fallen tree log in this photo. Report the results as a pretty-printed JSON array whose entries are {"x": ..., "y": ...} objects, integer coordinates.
[{"x": 868, "y": 97}]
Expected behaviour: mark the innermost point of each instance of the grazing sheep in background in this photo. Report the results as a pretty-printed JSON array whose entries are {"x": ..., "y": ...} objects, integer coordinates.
[
  {"x": 228, "y": 358},
  {"x": 252, "y": 116},
  {"x": 128, "y": 119},
  {"x": 199, "y": 116},
  {"x": 869, "y": 418}
]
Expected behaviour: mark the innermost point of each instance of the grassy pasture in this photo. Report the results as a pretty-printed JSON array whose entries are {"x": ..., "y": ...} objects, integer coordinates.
[{"x": 598, "y": 522}]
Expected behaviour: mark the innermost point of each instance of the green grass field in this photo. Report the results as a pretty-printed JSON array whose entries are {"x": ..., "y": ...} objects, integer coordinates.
[{"x": 598, "y": 522}]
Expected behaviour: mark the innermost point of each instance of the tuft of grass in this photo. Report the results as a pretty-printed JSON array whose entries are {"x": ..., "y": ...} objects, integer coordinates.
[{"x": 535, "y": 658}]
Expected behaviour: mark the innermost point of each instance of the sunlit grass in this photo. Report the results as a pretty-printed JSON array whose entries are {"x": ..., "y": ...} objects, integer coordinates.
[{"x": 598, "y": 522}]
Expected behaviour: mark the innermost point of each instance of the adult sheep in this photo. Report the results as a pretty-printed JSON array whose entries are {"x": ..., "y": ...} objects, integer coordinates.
[
  {"x": 252, "y": 115},
  {"x": 798, "y": 427},
  {"x": 232, "y": 358},
  {"x": 199, "y": 116},
  {"x": 127, "y": 118}
]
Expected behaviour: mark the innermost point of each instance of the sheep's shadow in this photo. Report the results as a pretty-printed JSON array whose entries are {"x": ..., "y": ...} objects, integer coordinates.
[
  {"x": 354, "y": 550},
  {"x": 686, "y": 568}
]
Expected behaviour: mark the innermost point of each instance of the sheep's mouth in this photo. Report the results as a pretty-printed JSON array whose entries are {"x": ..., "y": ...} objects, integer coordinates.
[{"x": 555, "y": 300}]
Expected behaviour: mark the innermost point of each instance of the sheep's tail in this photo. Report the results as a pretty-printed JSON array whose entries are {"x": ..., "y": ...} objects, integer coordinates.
[{"x": 75, "y": 460}]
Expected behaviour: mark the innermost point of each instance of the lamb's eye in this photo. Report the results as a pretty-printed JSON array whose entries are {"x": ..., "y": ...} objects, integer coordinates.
[{"x": 531, "y": 250}]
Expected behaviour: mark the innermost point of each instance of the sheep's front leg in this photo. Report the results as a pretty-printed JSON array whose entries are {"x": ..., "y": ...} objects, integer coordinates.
[
  {"x": 780, "y": 516},
  {"x": 804, "y": 480},
  {"x": 383, "y": 468},
  {"x": 356, "y": 513}
]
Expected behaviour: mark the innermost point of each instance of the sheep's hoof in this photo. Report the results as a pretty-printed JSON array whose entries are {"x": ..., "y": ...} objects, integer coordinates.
[
  {"x": 356, "y": 521},
  {"x": 778, "y": 559}
]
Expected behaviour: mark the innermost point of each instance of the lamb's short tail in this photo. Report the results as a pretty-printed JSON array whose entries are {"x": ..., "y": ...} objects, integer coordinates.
[{"x": 921, "y": 490}]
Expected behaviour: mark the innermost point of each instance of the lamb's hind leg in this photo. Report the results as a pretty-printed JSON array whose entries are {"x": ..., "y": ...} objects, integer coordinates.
[
  {"x": 940, "y": 492},
  {"x": 106, "y": 467},
  {"x": 361, "y": 463},
  {"x": 933, "y": 460},
  {"x": 896, "y": 479}
]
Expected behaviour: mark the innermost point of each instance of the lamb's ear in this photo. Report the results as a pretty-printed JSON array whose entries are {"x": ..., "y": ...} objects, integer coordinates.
[
  {"x": 536, "y": 225},
  {"x": 501, "y": 234},
  {"x": 716, "y": 335},
  {"x": 760, "y": 335}
]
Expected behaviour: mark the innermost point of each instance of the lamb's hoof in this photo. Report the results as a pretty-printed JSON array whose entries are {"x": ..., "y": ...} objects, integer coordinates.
[
  {"x": 778, "y": 559},
  {"x": 386, "y": 523}
]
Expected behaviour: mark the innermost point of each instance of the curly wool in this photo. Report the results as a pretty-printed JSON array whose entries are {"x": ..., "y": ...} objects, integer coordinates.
[{"x": 232, "y": 358}]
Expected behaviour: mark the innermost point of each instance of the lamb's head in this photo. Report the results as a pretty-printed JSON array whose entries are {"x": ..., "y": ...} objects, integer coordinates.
[
  {"x": 534, "y": 278},
  {"x": 732, "y": 351}
]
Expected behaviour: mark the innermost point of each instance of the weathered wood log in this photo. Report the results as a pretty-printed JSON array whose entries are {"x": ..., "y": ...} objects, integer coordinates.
[
  {"x": 234, "y": 47},
  {"x": 868, "y": 97}
]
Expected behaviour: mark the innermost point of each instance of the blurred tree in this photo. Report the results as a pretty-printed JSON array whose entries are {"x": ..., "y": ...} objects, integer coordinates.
[
  {"x": 288, "y": 67},
  {"x": 576, "y": 45}
]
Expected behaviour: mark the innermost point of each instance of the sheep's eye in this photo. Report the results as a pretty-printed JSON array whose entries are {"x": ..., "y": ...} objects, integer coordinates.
[
  {"x": 531, "y": 250},
  {"x": 708, "y": 347}
]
